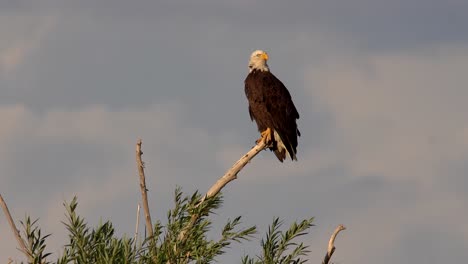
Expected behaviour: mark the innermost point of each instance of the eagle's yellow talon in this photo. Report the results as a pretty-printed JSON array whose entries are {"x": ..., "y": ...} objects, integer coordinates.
[{"x": 265, "y": 137}]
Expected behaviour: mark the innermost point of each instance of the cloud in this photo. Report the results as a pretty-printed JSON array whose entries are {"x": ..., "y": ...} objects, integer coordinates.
[
  {"x": 21, "y": 35},
  {"x": 398, "y": 219},
  {"x": 89, "y": 152},
  {"x": 398, "y": 119},
  {"x": 385, "y": 108},
  {"x": 396, "y": 25}
]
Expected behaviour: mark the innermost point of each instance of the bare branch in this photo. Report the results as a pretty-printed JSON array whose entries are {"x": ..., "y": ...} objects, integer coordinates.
[
  {"x": 229, "y": 176},
  {"x": 23, "y": 248},
  {"x": 141, "y": 172},
  {"x": 331, "y": 244},
  {"x": 137, "y": 225}
]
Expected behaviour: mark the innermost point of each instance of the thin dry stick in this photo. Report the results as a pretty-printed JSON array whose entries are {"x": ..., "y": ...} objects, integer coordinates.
[
  {"x": 141, "y": 172},
  {"x": 16, "y": 233},
  {"x": 229, "y": 176},
  {"x": 331, "y": 244},
  {"x": 137, "y": 225}
]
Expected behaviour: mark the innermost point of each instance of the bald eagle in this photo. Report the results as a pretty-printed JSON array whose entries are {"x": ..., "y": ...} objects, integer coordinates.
[{"x": 272, "y": 108}]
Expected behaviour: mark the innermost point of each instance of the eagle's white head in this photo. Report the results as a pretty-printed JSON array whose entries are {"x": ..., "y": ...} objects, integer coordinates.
[{"x": 258, "y": 61}]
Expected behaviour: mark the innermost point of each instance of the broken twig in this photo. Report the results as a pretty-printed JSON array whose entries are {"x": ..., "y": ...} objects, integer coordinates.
[{"x": 331, "y": 244}]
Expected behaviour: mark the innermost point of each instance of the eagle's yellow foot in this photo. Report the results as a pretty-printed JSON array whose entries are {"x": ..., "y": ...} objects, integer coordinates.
[{"x": 266, "y": 136}]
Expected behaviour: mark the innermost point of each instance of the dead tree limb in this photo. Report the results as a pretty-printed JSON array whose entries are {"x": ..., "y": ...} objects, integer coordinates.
[
  {"x": 137, "y": 224},
  {"x": 144, "y": 196},
  {"x": 331, "y": 244},
  {"x": 22, "y": 244},
  {"x": 229, "y": 176}
]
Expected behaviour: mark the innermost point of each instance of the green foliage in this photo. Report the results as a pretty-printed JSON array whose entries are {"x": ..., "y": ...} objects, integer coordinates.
[
  {"x": 190, "y": 218},
  {"x": 35, "y": 241},
  {"x": 182, "y": 240},
  {"x": 279, "y": 247},
  {"x": 94, "y": 245}
]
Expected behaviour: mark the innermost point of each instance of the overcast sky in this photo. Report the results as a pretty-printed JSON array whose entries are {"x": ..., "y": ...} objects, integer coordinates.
[{"x": 381, "y": 87}]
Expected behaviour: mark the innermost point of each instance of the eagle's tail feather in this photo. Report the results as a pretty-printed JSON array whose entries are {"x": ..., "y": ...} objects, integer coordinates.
[
  {"x": 281, "y": 150},
  {"x": 281, "y": 155}
]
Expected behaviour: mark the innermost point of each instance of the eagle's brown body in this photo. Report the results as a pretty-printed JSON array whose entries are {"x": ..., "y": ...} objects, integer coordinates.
[{"x": 271, "y": 106}]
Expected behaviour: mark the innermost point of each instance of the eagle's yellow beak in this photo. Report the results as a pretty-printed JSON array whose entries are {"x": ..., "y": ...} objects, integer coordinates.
[{"x": 265, "y": 56}]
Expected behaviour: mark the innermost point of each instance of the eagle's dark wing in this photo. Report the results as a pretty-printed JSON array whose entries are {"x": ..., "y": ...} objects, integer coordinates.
[
  {"x": 271, "y": 106},
  {"x": 254, "y": 90},
  {"x": 284, "y": 113}
]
